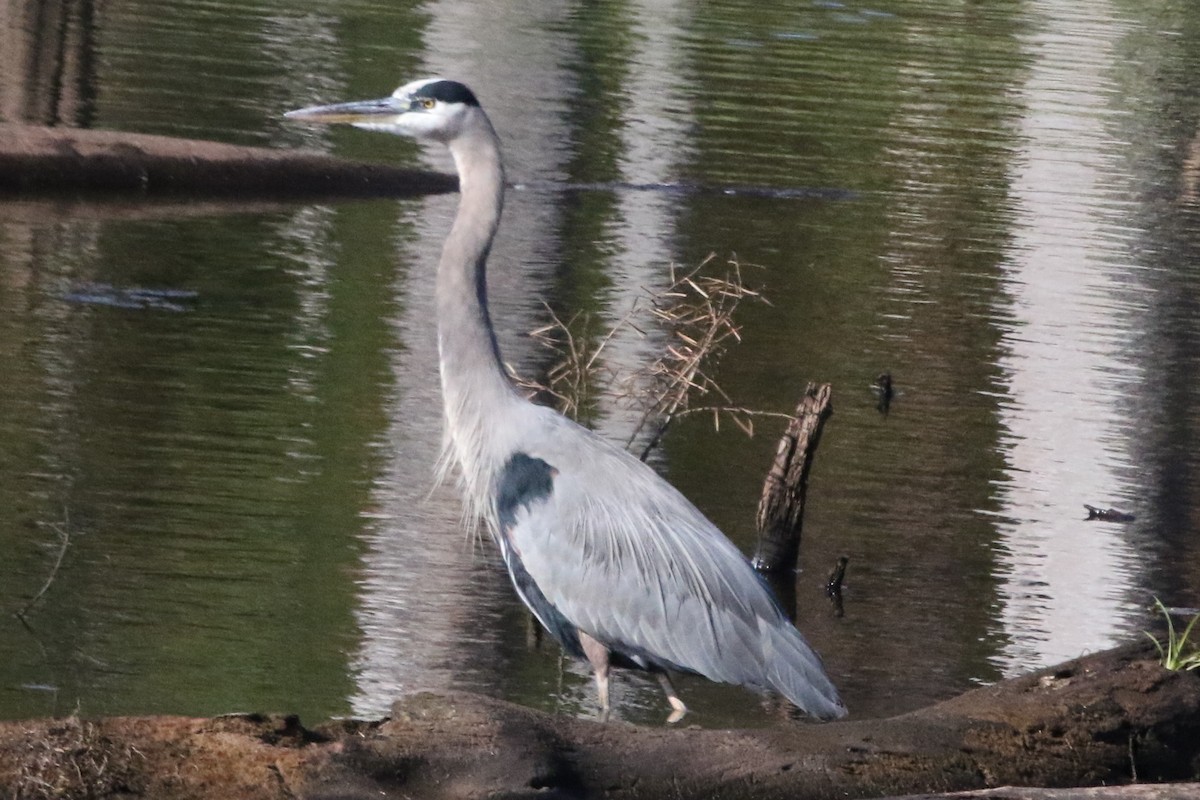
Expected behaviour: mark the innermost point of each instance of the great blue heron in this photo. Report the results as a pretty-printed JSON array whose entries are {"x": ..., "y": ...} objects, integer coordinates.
[{"x": 616, "y": 564}]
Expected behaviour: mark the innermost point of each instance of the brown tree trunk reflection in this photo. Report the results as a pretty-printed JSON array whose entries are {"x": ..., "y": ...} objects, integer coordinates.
[{"x": 47, "y": 57}]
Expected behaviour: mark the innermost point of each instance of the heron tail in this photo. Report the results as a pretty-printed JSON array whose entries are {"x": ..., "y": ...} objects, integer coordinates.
[{"x": 795, "y": 670}]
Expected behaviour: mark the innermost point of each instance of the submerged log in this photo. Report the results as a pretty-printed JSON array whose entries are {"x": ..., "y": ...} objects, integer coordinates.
[
  {"x": 1108, "y": 514},
  {"x": 780, "y": 517},
  {"x": 1101, "y": 719},
  {"x": 37, "y": 160}
]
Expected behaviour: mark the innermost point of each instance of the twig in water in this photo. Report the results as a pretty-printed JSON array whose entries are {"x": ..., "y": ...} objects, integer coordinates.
[
  {"x": 696, "y": 310},
  {"x": 567, "y": 384},
  {"x": 64, "y": 535},
  {"x": 833, "y": 585}
]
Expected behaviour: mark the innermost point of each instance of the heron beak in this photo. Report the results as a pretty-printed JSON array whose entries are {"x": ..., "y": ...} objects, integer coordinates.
[{"x": 352, "y": 113}]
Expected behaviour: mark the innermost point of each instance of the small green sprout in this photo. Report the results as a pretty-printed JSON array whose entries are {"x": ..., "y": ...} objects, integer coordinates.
[{"x": 1177, "y": 653}]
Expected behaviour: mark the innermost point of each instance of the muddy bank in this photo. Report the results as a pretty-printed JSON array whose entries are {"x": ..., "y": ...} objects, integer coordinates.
[
  {"x": 1111, "y": 718},
  {"x": 38, "y": 160},
  {"x": 1139, "y": 791}
]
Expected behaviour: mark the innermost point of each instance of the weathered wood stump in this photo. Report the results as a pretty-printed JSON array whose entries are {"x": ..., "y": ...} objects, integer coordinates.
[{"x": 780, "y": 518}]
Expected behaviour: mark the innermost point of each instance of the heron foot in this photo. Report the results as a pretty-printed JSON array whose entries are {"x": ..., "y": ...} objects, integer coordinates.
[
  {"x": 597, "y": 656},
  {"x": 678, "y": 709},
  {"x": 602, "y": 690}
]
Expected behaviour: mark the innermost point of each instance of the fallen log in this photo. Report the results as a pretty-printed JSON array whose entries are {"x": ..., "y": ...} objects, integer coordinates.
[
  {"x": 1101, "y": 719},
  {"x": 37, "y": 159},
  {"x": 1136, "y": 791}
]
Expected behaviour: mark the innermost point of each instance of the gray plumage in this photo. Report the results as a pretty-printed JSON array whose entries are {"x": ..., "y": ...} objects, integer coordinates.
[{"x": 613, "y": 560}]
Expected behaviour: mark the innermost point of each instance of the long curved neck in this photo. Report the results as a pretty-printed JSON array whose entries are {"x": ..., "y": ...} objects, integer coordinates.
[{"x": 474, "y": 382}]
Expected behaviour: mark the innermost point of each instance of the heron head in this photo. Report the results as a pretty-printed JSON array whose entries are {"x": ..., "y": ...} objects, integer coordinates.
[{"x": 431, "y": 108}]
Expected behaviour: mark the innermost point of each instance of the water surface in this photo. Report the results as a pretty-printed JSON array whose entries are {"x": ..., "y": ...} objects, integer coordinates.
[{"x": 996, "y": 204}]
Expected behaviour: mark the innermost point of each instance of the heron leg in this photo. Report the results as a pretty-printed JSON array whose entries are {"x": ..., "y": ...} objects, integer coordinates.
[
  {"x": 597, "y": 656},
  {"x": 678, "y": 709}
]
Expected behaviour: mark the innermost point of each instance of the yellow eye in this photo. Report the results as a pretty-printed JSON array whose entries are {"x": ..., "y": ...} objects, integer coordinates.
[{"x": 428, "y": 102}]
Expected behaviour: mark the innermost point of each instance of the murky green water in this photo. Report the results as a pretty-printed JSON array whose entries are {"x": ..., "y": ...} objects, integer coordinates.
[{"x": 996, "y": 203}]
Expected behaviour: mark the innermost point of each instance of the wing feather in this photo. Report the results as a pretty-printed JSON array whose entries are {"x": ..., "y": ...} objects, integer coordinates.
[{"x": 626, "y": 558}]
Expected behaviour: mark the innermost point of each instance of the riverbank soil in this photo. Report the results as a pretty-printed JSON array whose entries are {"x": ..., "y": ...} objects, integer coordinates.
[{"x": 1116, "y": 717}]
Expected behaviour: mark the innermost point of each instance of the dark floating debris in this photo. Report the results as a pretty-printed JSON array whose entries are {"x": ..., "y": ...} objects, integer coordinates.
[
  {"x": 686, "y": 188},
  {"x": 884, "y": 391},
  {"x": 135, "y": 297},
  {"x": 1108, "y": 514},
  {"x": 833, "y": 585}
]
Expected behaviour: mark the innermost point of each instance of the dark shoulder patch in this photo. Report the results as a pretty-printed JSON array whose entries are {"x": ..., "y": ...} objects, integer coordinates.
[
  {"x": 523, "y": 480},
  {"x": 447, "y": 92}
]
